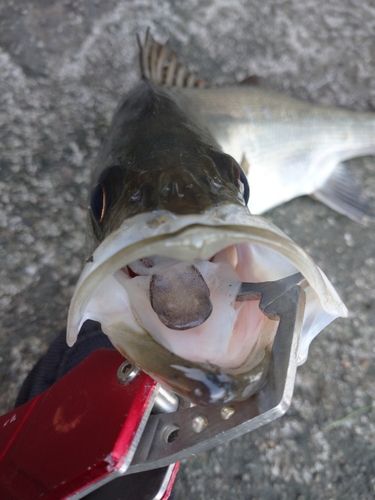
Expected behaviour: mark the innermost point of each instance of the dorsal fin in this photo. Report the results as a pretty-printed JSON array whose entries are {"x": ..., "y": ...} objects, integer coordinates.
[{"x": 159, "y": 65}]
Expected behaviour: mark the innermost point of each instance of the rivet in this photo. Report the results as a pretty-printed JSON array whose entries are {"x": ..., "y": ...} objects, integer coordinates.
[
  {"x": 227, "y": 411},
  {"x": 199, "y": 423}
]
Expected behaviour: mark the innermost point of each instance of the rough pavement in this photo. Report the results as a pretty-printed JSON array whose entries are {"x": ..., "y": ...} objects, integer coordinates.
[{"x": 63, "y": 67}]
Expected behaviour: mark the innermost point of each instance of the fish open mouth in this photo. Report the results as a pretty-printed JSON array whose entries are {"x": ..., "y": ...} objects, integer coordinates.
[
  {"x": 191, "y": 309},
  {"x": 166, "y": 297},
  {"x": 178, "y": 292}
]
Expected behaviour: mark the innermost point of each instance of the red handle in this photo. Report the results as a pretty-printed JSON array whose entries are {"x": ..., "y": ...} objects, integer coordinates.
[{"x": 75, "y": 434}]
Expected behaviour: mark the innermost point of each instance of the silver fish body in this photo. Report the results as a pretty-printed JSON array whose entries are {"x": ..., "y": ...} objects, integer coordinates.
[
  {"x": 171, "y": 238},
  {"x": 290, "y": 147}
]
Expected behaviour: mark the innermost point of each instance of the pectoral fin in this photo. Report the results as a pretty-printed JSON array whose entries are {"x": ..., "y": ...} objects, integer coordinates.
[{"x": 342, "y": 193}]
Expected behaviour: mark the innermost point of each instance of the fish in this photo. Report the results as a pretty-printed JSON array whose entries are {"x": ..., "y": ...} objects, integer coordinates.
[{"x": 173, "y": 225}]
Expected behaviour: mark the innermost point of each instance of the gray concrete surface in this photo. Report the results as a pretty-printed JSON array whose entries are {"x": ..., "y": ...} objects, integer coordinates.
[{"x": 63, "y": 67}]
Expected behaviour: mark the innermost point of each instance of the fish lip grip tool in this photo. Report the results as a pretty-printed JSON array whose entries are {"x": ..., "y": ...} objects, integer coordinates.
[
  {"x": 106, "y": 423},
  {"x": 174, "y": 436}
]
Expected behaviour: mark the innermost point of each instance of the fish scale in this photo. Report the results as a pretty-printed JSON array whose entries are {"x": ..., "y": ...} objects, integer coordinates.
[{"x": 292, "y": 147}]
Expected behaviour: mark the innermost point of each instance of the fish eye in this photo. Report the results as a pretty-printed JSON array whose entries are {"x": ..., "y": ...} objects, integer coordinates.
[
  {"x": 98, "y": 202},
  {"x": 243, "y": 185},
  {"x": 106, "y": 191},
  {"x": 231, "y": 170}
]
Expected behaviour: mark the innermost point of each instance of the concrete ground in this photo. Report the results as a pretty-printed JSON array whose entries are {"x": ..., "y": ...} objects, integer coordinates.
[{"x": 63, "y": 67}]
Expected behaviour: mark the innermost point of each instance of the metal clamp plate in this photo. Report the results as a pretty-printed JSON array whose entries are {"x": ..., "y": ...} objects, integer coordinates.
[{"x": 174, "y": 436}]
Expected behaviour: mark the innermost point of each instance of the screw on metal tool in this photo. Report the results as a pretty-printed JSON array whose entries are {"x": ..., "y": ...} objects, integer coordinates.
[
  {"x": 170, "y": 433},
  {"x": 127, "y": 372}
]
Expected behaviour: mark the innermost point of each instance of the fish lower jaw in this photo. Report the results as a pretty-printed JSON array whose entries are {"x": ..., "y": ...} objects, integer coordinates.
[
  {"x": 200, "y": 383},
  {"x": 221, "y": 359},
  {"x": 227, "y": 347}
]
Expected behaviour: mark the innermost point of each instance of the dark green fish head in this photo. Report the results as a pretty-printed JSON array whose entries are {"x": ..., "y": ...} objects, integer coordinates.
[{"x": 154, "y": 158}]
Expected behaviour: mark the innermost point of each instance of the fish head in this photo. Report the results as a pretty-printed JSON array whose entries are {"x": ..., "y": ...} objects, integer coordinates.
[{"x": 158, "y": 160}]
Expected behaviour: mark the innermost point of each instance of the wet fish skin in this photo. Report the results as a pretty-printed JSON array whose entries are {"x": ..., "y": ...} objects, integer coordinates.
[
  {"x": 292, "y": 147},
  {"x": 155, "y": 158}
]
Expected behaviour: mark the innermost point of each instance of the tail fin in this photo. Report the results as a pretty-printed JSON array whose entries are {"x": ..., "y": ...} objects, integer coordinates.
[
  {"x": 342, "y": 193},
  {"x": 159, "y": 65}
]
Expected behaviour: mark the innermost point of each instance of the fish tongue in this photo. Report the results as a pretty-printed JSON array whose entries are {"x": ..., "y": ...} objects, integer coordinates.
[{"x": 180, "y": 297}]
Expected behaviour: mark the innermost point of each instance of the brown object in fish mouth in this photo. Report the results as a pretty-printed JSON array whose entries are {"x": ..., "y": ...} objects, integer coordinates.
[{"x": 180, "y": 299}]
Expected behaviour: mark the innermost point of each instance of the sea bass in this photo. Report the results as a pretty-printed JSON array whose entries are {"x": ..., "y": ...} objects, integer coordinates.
[{"x": 172, "y": 239}]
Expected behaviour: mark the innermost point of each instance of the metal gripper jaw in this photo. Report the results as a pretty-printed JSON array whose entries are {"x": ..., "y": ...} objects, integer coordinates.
[
  {"x": 170, "y": 437},
  {"x": 106, "y": 420}
]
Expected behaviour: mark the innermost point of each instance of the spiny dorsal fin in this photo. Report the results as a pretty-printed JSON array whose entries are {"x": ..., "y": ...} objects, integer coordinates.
[{"x": 159, "y": 65}]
